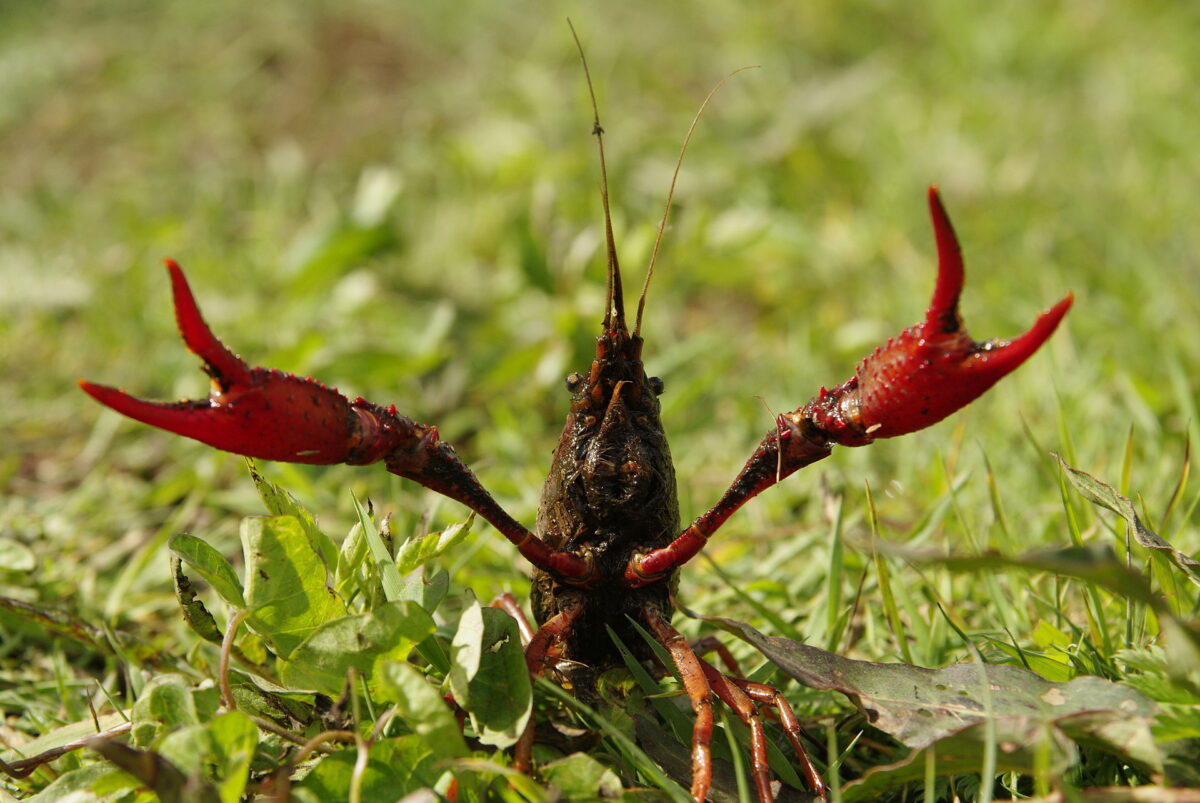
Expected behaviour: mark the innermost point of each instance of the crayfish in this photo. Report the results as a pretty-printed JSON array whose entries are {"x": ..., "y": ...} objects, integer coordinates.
[{"x": 608, "y": 544}]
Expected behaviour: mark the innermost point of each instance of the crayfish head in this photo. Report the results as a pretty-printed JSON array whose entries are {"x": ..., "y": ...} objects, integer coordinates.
[{"x": 614, "y": 430}]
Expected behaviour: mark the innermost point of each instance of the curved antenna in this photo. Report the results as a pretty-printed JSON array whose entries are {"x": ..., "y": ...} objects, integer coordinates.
[
  {"x": 614, "y": 314},
  {"x": 662, "y": 227}
]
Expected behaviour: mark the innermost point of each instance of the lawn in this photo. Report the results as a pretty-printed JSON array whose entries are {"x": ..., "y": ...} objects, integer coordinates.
[{"x": 403, "y": 200}]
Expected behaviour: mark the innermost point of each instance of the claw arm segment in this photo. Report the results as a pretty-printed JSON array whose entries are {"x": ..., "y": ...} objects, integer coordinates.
[
  {"x": 916, "y": 379},
  {"x": 801, "y": 443},
  {"x": 272, "y": 415},
  {"x": 437, "y": 466}
]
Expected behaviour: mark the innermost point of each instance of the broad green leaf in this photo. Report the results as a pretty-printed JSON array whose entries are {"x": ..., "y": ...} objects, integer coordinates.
[
  {"x": 429, "y": 591},
  {"x": 388, "y": 633},
  {"x": 166, "y": 703},
  {"x": 118, "y": 785},
  {"x": 210, "y": 565},
  {"x": 416, "y": 552},
  {"x": 234, "y": 738},
  {"x": 395, "y": 768},
  {"x": 346, "y": 578},
  {"x": 921, "y": 706},
  {"x": 421, "y": 706},
  {"x": 65, "y": 786},
  {"x": 188, "y": 748},
  {"x": 581, "y": 777},
  {"x": 281, "y": 503},
  {"x": 488, "y": 675},
  {"x": 225, "y": 743},
  {"x": 271, "y": 703},
  {"x": 285, "y": 583}
]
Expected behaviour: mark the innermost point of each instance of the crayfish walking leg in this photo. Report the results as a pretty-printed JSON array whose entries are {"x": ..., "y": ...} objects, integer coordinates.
[{"x": 695, "y": 685}]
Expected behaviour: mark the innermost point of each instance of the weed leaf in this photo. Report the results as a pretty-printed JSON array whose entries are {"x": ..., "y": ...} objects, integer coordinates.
[
  {"x": 921, "y": 707},
  {"x": 285, "y": 583},
  {"x": 388, "y": 633},
  {"x": 211, "y": 565},
  {"x": 1104, "y": 495},
  {"x": 488, "y": 675}
]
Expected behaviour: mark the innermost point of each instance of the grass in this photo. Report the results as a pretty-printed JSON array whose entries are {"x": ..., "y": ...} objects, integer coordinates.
[{"x": 404, "y": 202}]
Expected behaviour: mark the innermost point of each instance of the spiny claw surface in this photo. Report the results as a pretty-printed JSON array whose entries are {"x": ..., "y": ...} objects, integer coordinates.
[
  {"x": 929, "y": 370},
  {"x": 251, "y": 411}
]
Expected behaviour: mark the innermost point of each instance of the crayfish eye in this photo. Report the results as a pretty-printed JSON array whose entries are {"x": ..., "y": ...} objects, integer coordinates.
[
  {"x": 574, "y": 381},
  {"x": 656, "y": 385}
]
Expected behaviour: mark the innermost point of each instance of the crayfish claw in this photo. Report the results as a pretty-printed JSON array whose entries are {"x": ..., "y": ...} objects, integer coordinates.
[
  {"x": 251, "y": 411},
  {"x": 275, "y": 416},
  {"x": 929, "y": 370},
  {"x": 173, "y": 417}
]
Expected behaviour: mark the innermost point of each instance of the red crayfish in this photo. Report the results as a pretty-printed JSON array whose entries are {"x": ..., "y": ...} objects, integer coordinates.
[{"x": 608, "y": 542}]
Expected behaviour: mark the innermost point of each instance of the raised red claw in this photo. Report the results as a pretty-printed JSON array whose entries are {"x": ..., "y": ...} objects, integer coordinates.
[
  {"x": 272, "y": 415},
  {"x": 929, "y": 370},
  {"x": 251, "y": 411},
  {"x": 913, "y": 381}
]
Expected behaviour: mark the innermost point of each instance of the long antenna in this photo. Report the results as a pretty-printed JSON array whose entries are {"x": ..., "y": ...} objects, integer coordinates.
[
  {"x": 614, "y": 314},
  {"x": 662, "y": 227}
]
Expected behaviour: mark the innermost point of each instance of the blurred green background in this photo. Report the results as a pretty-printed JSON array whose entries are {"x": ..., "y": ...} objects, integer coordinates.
[{"x": 402, "y": 199}]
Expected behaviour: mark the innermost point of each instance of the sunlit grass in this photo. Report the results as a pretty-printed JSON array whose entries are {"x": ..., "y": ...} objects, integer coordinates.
[{"x": 404, "y": 203}]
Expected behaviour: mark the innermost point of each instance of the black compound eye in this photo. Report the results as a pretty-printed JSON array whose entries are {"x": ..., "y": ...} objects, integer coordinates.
[
  {"x": 656, "y": 385},
  {"x": 574, "y": 381}
]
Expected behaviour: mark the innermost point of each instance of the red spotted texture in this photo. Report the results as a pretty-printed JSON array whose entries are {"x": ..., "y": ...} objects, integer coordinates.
[
  {"x": 914, "y": 381},
  {"x": 251, "y": 411},
  {"x": 275, "y": 416},
  {"x": 929, "y": 370}
]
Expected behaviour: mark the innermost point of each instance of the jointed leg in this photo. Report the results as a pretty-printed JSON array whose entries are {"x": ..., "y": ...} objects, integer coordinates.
[
  {"x": 764, "y": 695},
  {"x": 770, "y": 696},
  {"x": 706, "y": 644},
  {"x": 535, "y": 658},
  {"x": 729, "y": 693},
  {"x": 691, "y": 671},
  {"x": 508, "y": 603}
]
